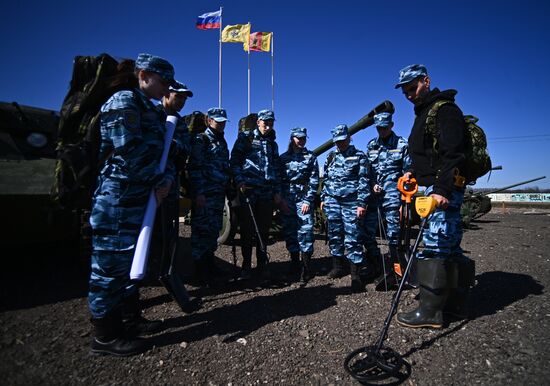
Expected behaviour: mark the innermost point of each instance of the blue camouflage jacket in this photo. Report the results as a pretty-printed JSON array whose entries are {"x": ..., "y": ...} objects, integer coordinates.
[
  {"x": 255, "y": 160},
  {"x": 208, "y": 166},
  {"x": 133, "y": 130},
  {"x": 346, "y": 176},
  {"x": 388, "y": 160},
  {"x": 300, "y": 175}
]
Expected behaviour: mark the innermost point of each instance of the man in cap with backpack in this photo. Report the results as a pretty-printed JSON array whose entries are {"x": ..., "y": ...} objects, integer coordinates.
[
  {"x": 132, "y": 141},
  {"x": 437, "y": 147}
]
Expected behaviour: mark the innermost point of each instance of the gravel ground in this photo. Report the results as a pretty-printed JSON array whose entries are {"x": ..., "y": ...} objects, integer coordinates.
[{"x": 287, "y": 333}]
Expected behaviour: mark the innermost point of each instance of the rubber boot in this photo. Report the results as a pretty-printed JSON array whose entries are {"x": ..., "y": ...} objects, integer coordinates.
[
  {"x": 338, "y": 267},
  {"x": 432, "y": 277},
  {"x": 133, "y": 322},
  {"x": 246, "y": 272},
  {"x": 358, "y": 274},
  {"x": 373, "y": 261},
  {"x": 462, "y": 273},
  {"x": 109, "y": 338},
  {"x": 305, "y": 275},
  {"x": 295, "y": 267}
]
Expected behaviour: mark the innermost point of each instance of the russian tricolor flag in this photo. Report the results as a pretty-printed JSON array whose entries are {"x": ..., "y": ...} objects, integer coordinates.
[{"x": 210, "y": 20}]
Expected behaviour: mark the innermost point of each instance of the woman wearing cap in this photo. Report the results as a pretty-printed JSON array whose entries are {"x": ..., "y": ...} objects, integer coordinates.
[
  {"x": 300, "y": 184},
  {"x": 344, "y": 200},
  {"x": 132, "y": 141}
]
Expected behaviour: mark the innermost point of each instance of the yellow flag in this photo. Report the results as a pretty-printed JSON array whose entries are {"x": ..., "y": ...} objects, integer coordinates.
[
  {"x": 238, "y": 33},
  {"x": 259, "y": 41}
]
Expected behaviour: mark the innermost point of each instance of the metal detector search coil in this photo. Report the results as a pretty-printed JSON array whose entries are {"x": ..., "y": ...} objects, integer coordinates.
[{"x": 377, "y": 363}]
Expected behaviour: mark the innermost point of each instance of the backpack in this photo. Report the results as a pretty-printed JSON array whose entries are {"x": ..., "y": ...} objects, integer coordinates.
[
  {"x": 249, "y": 122},
  {"x": 478, "y": 161},
  {"x": 95, "y": 79},
  {"x": 196, "y": 122}
]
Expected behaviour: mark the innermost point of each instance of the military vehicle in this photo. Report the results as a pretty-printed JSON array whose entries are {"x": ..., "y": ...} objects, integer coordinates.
[
  {"x": 229, "y": 227},
  {"x": 476, "y": 205},
  {"x": 28, "y": 137}
]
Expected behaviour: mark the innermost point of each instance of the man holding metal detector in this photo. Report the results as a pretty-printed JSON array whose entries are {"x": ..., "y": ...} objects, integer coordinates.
[
  {"x": 445, "y": 275},
  {"x": 255, "y": 167}
]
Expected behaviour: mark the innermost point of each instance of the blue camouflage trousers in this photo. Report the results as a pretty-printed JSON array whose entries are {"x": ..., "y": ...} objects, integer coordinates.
[
  {"x": 443, "y": 234},
  {"x": 206, "y": 223},
  {"x": 298, "y": 227},
  {"x": 117, "y": 214},
  {"x": 344, "y": 230},
  {"x": 110, "y": 281}
]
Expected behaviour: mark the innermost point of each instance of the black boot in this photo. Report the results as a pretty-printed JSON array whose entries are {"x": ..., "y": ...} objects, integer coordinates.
[
  {"x": 432, "y": 277},
  {"x": 388, "y": 279},
  {"x": 358, "y": 274},
  {"x": 247, "y": 262},
  {"x": 294, "y": 268},
  {"x": 133, "y": 323},
  {"x": 263, "y": 266},
  {"x": 462, "y": 273},
  {"x": 373, "y": 261},
  {"x": 213, "y": 268},
  {"x": 202, "y": 272},
  {"x": 109, "y": 338},
  {"x": 305, "y": 276},
  {"x": 338, "y": 267}
]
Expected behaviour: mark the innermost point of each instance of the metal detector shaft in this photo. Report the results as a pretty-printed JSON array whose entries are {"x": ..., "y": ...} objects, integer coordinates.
[
  {"x": 397, "y": 295},
  {"x": 256, "y": 229}
]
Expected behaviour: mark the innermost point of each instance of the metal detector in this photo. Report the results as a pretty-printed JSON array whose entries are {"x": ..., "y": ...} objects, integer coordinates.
[
  {"x": 256, "y": 229},
  {"x": 168, "y": 275},
  {"x": 378, "y": 363},
  {"x": 408, "y": 188}
]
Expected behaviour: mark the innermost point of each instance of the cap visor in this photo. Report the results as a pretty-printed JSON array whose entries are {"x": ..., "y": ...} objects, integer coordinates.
[
  {"x": 340, "y": 138},
  {"x": 220, "y": 119}
]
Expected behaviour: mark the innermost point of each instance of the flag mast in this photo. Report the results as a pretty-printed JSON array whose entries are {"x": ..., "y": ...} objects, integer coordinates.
[
  {"x": 272, "y": 73},
  {"x": 220, "y": 63},
  {"x": 248, "y": 46}
]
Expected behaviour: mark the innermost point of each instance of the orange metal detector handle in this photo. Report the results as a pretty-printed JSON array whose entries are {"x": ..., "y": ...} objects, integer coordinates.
[{"x": 408, "y": 187}]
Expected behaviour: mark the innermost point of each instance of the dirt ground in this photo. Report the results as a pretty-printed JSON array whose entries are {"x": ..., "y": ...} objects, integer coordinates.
[{"x": 287, "y": 333}]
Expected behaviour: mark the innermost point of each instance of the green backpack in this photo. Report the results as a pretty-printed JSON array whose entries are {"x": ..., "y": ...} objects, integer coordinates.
[
  {"x": 94, "y": 80},
  {"x": 478, "y": 161}
]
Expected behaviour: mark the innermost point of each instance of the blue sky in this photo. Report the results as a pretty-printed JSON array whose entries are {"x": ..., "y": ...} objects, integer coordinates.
[{"x": 333, "y": 62}]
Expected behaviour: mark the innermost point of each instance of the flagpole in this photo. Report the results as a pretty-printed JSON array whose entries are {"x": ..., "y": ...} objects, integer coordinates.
[
  {"x": 220, "y": 63},
  {"x": 272, "y": 73},
  {"x": 248, "y": 44}
]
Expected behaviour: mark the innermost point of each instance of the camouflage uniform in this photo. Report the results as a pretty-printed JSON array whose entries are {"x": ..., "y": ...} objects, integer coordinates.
[
  {"x": 255, "y": 163},
  {"x": 132, "y": 129},
  {"x": 389, "y": 160},
  {"x": 209, "y": 175},
  {"x": 300, "y": 184},
  {"x": 444, "y": 274},
  {"x": 346, "y": 187}
]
